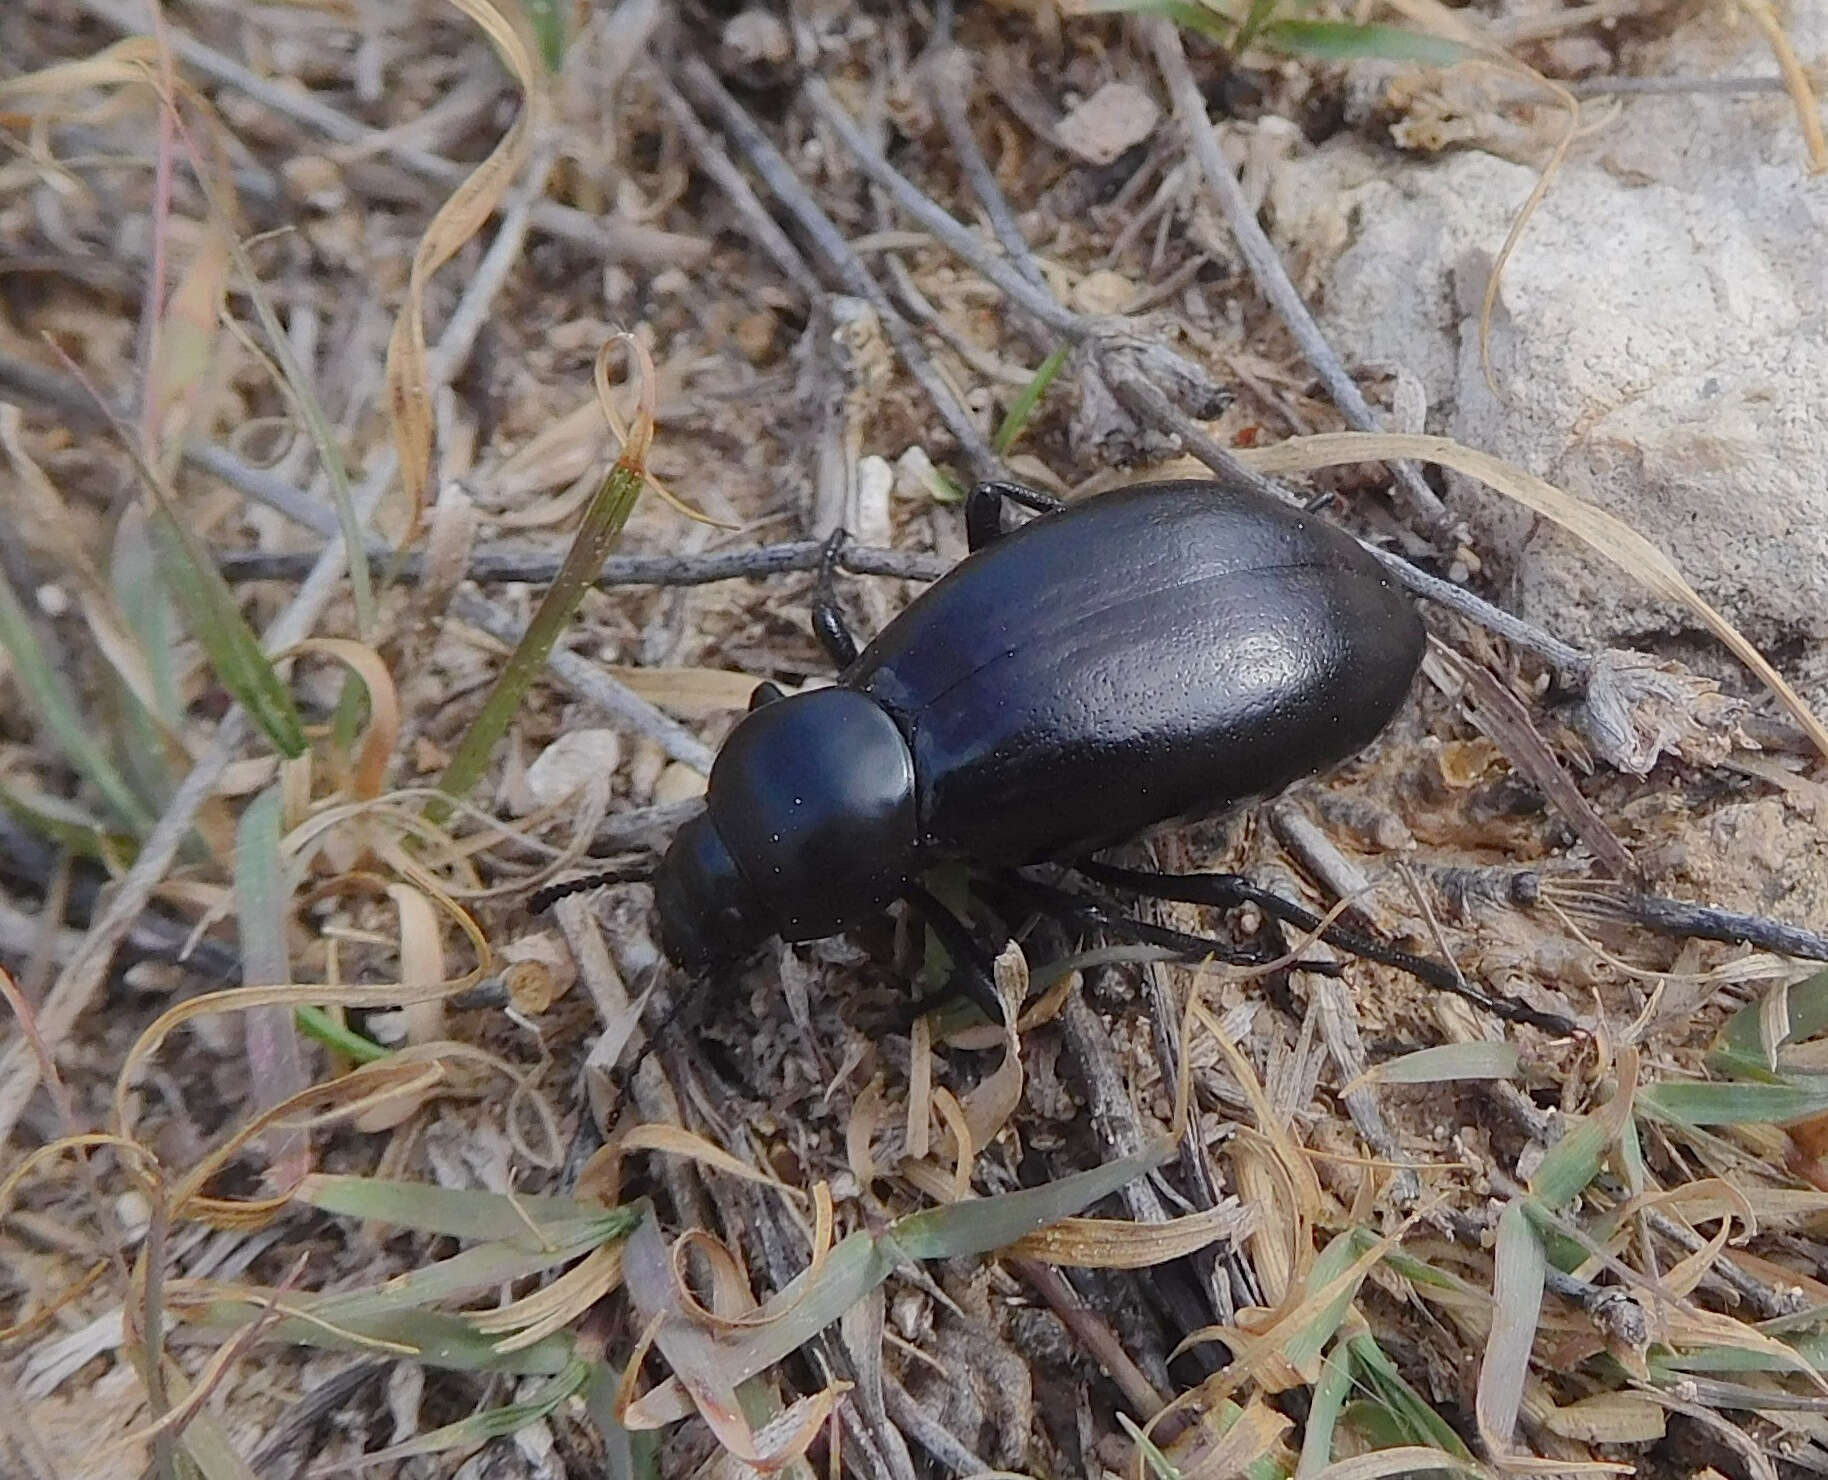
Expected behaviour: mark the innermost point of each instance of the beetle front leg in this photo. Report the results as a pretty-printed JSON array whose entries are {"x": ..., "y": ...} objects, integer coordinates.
[
  {"x": 828, "y": 624},
  {"x": 973, "y": 972},
  {"x": 984, "y": 509}
]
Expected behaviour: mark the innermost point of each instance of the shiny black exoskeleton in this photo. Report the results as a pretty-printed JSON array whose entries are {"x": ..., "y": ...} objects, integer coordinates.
[{"x": 1156, "y": 653}]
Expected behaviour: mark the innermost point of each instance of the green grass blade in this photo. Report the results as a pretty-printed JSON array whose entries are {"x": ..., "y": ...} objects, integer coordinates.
[
  {"x": 1330, "y": 1265},
  {"x": 133, "y": 571},
  {"x": 1255, "y": 19},
  {"x": 457, "y": 1211},
  {"x": 433, "y": 1337},
  {"x": 627, "y": 1455},
  {"x": 1573, "y": 1161},
  {"x": 1408, "y": 1411},
  {"x": 314, "y": 1022},
  {"x": 1341, "y": 41},
  {"x": 1740, "y": 1049},
  {"x": 1185, "y": 13},
  {"x": 1023, "y": 407},
  {"x": 67, "y": 825},
  {"x": 490, "y": 1423},
  {"x": 215, "y": 620},
  {"x": 1159, "y": 1465},
  {"x": 548, "y": 19},
  {"x": 45, "y": 692},
  {"x": 981, "y": 1225},
  {"x": 1695, "y": 1104},
  {"x": 603, "y": 521},
  {"x": 276, "y": 1063},
  {"x": 1329, "y": 1403}
]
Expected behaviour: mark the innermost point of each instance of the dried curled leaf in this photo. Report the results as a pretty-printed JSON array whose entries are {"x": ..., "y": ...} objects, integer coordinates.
[{"x": 1638, "y": 708}]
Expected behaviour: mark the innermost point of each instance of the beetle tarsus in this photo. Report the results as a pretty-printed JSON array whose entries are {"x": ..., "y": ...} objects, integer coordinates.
[
  {"x": 1227, "y": 891},
  {"x": 828, "y": 624},
  {"x": 984, "y": 509}
]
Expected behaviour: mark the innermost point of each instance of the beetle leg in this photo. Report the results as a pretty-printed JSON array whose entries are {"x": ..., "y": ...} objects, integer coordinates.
[
  {"x": 984, "y": 509},
  {"x": 973, "y": 972},
  {"x": 828, "y": 624},
  {"x": 1225, "y": 891},
  {"x": 1094, "y": 912}
]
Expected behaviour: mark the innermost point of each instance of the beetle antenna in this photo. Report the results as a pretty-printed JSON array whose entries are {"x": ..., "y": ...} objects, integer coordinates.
[{"x": 545, "y": 898}]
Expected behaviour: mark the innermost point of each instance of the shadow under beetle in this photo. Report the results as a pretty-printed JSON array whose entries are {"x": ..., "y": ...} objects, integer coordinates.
[{"x": 1154, "y": 654}]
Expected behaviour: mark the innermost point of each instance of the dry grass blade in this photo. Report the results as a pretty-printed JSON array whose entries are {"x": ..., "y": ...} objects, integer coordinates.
[
  {"x": 1110, "y": 1243},
  {"x": 1413, "y": 1460},
  {"x": 370, "y": 767},
  {"x": 1796, "y": 80},
  {"x": 1443, "y": 1064},
  {"x": 1518, "y": 1266},
  {"x": 1598, "y": 530},
  {"x": 458, "y": 219}
]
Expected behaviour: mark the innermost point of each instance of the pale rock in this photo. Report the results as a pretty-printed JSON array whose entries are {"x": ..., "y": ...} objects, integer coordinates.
[
  {"x": 875, "y": 481},
  {"x": 1103, "y": 292},
  {"x": 571, "y": 762},
  {"x": 1117, "y": 117},
  {"x": 678, "y": 783},
  {"x": 1660, "y": 340}
]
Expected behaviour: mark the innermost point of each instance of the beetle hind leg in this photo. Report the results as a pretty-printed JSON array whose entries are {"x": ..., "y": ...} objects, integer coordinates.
[
  {"x": 1225, "y": 891},
  {"x": 984, "y": 509}
]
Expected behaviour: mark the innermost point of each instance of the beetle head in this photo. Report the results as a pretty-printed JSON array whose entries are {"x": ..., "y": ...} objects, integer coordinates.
[
  {"x": 708, "y": 913},
  {"x": 809, "y": 828}
]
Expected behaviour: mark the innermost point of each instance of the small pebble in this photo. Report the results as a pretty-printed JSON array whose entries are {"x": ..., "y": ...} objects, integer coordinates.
[
  {"x": 678, "y": 783},
  {"x": 1117, "y": 117},
  {"x": 1103, "y": 291},
  {"x": 571, "y": 762}
]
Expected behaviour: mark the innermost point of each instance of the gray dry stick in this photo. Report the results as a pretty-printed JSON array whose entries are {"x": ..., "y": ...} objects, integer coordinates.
[{"x": 702, "y": 86}]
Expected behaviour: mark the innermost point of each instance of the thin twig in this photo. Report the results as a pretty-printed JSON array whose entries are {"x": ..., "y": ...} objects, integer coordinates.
[
  {"x": 950, "y": 89},
  {"x": 1685, "y": 921},
  {"x": 490, "y": 566},
  {"x": 1504, "y": 719},
  {"x": 1598, "y": 87},
  {"x": 1122, "y": 354},
  {"x": 617, "y": 241},
  {"x": 591, "y": 683},
  {"x": 1266, "y": 267},
  {"x": 957, "y": 238},
  {"x": 702, "y": 85},
  {"x": 78, "y": 982},
  {"x": 927, "y": 1431},
  {"x": 486, "y": 565},
  {"x": 729, "y": 179}
]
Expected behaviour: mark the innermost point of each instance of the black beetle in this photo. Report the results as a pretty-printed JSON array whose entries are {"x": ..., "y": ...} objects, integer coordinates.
[{"x": 1153, "y": 654}]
